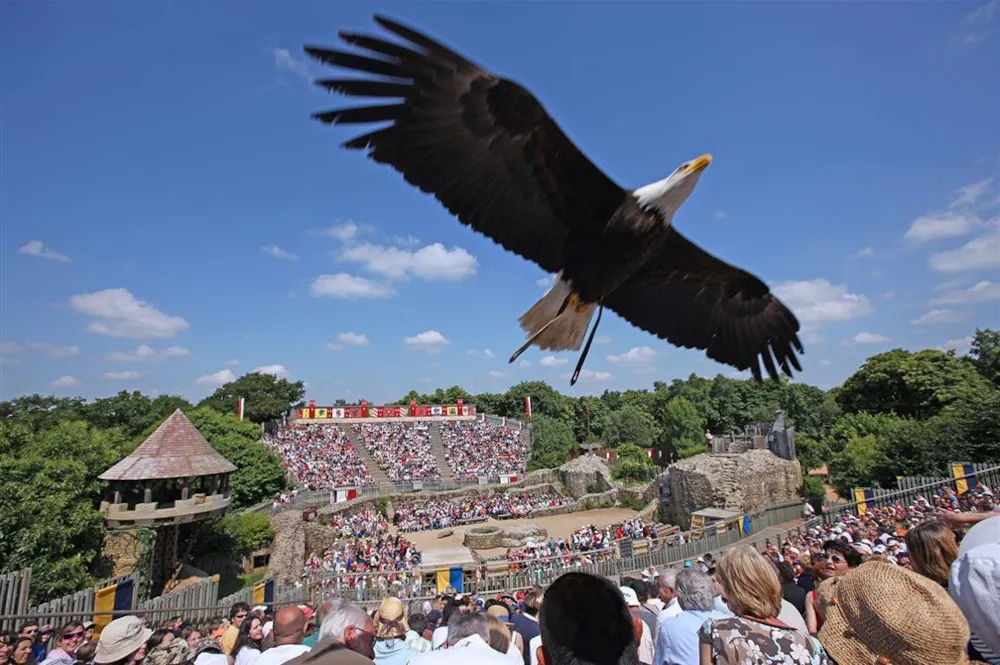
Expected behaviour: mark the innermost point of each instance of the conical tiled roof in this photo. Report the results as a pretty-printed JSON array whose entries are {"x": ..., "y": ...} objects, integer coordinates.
[{"x": 175, "y": 450}]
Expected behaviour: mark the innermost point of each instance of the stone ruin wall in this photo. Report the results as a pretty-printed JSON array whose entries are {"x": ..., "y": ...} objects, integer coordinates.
[{"x": 744, "y": 481}]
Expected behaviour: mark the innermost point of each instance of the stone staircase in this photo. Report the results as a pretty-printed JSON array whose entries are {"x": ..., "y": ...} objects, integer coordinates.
[
  {"x": 377, "y": 473},
  {"x": 437, "y": 447}
]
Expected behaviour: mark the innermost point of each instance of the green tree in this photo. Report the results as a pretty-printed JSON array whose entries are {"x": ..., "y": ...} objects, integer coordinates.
[
  {"x": 552, "y": 443},
  {"x": 985, "y": 354},
  {"x": 258, "y": 474},
  {"x": 247, "y": 531},
  {"x": 629, "y": 424},
  {"x": 682, "y": 429},
  {"x": 267, "y": 397}
]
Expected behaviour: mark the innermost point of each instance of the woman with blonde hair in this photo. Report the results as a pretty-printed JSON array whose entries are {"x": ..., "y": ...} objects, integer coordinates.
[
  {"x": 752, "y": 591},
  {"x": 390, "y": 633},
  {"x": 932, "y": 548}
]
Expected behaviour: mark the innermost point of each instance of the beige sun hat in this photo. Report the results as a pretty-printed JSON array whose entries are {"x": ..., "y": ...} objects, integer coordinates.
[
  {"x": 120, "y": 638},
  {"x": 390, "y": 619},
  {"x": 882, "y": 613}
]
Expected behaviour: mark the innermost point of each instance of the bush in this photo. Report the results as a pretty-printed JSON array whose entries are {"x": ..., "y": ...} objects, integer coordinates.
[
  {"x": 248, "y": 531},
  {"x": 814, "y": 491}
]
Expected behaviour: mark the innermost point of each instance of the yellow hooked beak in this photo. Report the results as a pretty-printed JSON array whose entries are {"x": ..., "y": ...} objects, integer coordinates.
[{"x": 699, "y": 164}]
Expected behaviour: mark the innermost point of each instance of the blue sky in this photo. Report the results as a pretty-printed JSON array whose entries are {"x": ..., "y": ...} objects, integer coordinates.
[{"x": 172, "y": 214}]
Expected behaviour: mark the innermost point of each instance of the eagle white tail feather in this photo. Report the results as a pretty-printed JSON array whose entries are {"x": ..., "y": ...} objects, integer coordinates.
[{"x": 565, "y": 333}]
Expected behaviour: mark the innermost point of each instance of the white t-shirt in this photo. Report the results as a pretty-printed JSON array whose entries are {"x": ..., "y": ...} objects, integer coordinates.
[
  {"x": 439, "y": 637},
  {"x": 280, "y": 654},
  {"x": 247, "y": 656}
]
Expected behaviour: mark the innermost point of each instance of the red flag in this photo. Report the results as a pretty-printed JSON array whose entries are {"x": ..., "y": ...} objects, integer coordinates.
[
  {"x": 527, "y": 407},
  {"x": 240, "y": 406}
]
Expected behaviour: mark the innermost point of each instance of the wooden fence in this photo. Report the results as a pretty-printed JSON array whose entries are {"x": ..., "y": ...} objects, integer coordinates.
[{"x": 77, "y": 606}]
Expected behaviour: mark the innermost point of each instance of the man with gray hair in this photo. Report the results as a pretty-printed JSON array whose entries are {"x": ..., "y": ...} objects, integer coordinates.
[
  {"x": 677, "y": 637},
  {"x": 667, "y": 597},
  {"x": 468, "y": 642},
  {"x": 346, "y": 637}
]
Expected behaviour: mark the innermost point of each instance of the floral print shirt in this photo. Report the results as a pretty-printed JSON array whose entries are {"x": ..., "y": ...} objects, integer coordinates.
[{"x": 742, "y": 641}]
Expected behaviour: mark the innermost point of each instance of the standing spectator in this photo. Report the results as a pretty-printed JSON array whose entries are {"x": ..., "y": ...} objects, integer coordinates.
[
  {"x": 643, "y": 633},
  {"x": 346, "y": 637},
  {"x": 289, "y": 629},
  {"x": 754, "y": 636},
  {"x": 677, "y": 639},
  {"x": 237, "y": 613},
  {"x": 647, "y": 615},
  {"x": 123, "y": 642},
  {"x": 790, "y": 591},
  {"x": 526, "y": 622},
  {"x": 668, "y": 596},
  {"x": 932, "y": 550}
]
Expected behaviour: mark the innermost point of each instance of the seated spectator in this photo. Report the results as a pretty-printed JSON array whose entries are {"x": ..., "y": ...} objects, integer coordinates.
[
  {"x": 402, "y": 450},
  {"x": 754, "y": 635},
  {"x": 390, "y": 634},
  {"x": 468, "y": 642},
  {"x": 288, "y": 632},
  {"x": 122, "y": 642},
  {"x": 346, "y": 637},
  {"x": 677, "y": 637},
  {"x": 483, "y": 449},
  {"x": 865, "y": 623},
  {"x": 319, "y": 456},
  {"x": 248, "y": 646}
]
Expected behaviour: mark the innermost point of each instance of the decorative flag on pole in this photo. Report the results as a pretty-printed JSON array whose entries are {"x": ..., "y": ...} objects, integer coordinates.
[
  {"x": 527, "y": 407},
  {"x": 240, "y": 406}
]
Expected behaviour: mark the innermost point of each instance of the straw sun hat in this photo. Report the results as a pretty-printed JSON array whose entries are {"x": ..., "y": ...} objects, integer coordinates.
[
  {"x": 887, "y": 615},
  {"x": 390, "y": 620}
]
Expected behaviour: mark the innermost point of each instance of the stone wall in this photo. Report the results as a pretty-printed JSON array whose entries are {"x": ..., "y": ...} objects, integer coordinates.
[
  {"x": 745, "y": 481},
  {"x": 585, "y": 473}
]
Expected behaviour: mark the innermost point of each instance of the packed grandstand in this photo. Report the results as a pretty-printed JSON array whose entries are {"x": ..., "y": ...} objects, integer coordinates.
[{"x": 323, "y": 456}]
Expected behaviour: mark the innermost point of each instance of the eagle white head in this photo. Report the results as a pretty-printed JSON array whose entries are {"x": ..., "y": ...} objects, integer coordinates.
[{"x": 668, "y": 194}]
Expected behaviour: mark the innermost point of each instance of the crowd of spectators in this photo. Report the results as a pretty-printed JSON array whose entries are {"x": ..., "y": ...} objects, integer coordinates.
[
  {"x": 475, "y": 449},
  {"x": 402, "y": 450},
  {"x": 441, "y": 513},
  {"x": 318, "y": 456}
]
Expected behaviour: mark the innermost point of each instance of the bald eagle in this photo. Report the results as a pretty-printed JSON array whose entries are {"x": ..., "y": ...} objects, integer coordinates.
[{"x": 491, "y": 154}]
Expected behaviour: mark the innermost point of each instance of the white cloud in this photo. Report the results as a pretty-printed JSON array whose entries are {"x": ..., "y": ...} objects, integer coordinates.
[
  {"x": 866, "y": 253},
  {"x": 429, "y": 341},
  {"x": 978, "y": 24},
  {"x": 721, "y": 214},
  {"x": 979, "y": 292},
  {"x": 499, "y": 374},
  {"x": 869, "y": 338},
  {"x": 587, "y": 375},
  {"x": 552, "y": 361},
  {"x": 277, "y": 371},
  {"x": 53, "y": 350},
  {"x": 346, "y": 231},
  {"x": 960, "y": 346},
  {"x": 825, "y": 363},
  {"x": 889, "y": 295},
  {"x": 66, "y": 382},
  {"x": 349, "y": 287},
  {"x": 217, "y": 379},
  {"x": 432, "y": 262},
  {"x": 524, "y": 363},
  {"x": 638, "y": 356},
  {"x": 978, "y": 254},
  {"x": 278, "y": 253},
  {"x": 603, "y": 340},
  {"x": 936, "y": 316},
  {"x": 120, "y": 314},
  {"x": 348, "y": 339},
  {"x": 7, "y": 360},
  {"x": 284, "y": 61},
  {"x": 818, "y": 301},
  {"x": 476, "y": 353},
  {"x": 127, "y": 374},
  {"x": 969, "y": 195},
  {"x": 37, "y": 248},
  {"x": 544, "y": 282},
  {"x": 10, "y": 347},
  {"x": 406, "y": 241},
  {"x": 145, "y": 353},
  {"x": 233, "y": 362},
  {"x": 938, "y": 225}
]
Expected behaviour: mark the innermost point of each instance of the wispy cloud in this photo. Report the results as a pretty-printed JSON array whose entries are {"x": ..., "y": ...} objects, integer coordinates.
[
  {"x": 481, "y": 354},
  {"x": 345, "y": 231},
  {"x": 940, "y": 225},
  {"x": 960, "y": 346},
  {"x": 971, "y": 194},
  {"x": 721, "y": 214},
  {"x": 278, "y": 253},
  {"x": 980, "y": 253},
  {"x": 349, "y": 287},
  {"x": 66, "y": 382},
  {"x": 54, "y": 350},
  {"x": 348, "y": 339},
  {"x": 37, "y": 248},
  {"x": 287, "y": 63},
  {"x": 818, "y": 301},
  {"x": 144, "y": 353},
  {"x": 429, "y": 341},
  {"x": 432, "y": 263},
  {"x": 980, "y": 292},
  {"x": 977, "y": 25},
  {"x": 866, "y": 253},
  {"x": 937, "y": 316},
  {"x": 499, "y": 374},
  {"x": 868, "y": 338},
  {"x": 590, "y": 376},
  {"x": 552, "y": 361},
  {"x": 118, "y": 313},
  {"x": 127, "y": 374},
  {"x": 636, "y": 357},
  {"x": 216, "y": 379}
]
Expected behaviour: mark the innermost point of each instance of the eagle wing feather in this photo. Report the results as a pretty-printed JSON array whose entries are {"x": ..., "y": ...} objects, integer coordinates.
[
  {"x": 482, "y": 145},
  {"x": 695, "y": 300}
]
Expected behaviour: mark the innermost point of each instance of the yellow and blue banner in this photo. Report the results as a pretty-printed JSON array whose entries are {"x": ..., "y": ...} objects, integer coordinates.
[
  {"x": 964, "y": 475},
  {"x": 449, "y": 577},
  {"x": 862, "y": 495},
  {"x": 115, "y": 597},
  {"x": 263, "y": 593}
]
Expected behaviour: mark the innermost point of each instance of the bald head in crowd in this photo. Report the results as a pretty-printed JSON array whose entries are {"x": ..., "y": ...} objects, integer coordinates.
[{"x": 289, "y": 625}]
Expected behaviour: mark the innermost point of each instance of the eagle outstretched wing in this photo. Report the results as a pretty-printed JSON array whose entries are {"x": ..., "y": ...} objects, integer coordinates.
[
  {"x": 481, "y": 144},
  {"x": 695, "y": 300}
]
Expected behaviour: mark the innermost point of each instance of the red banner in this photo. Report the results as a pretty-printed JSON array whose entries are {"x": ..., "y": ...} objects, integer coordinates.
[{"x": 365, "y": 410}]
